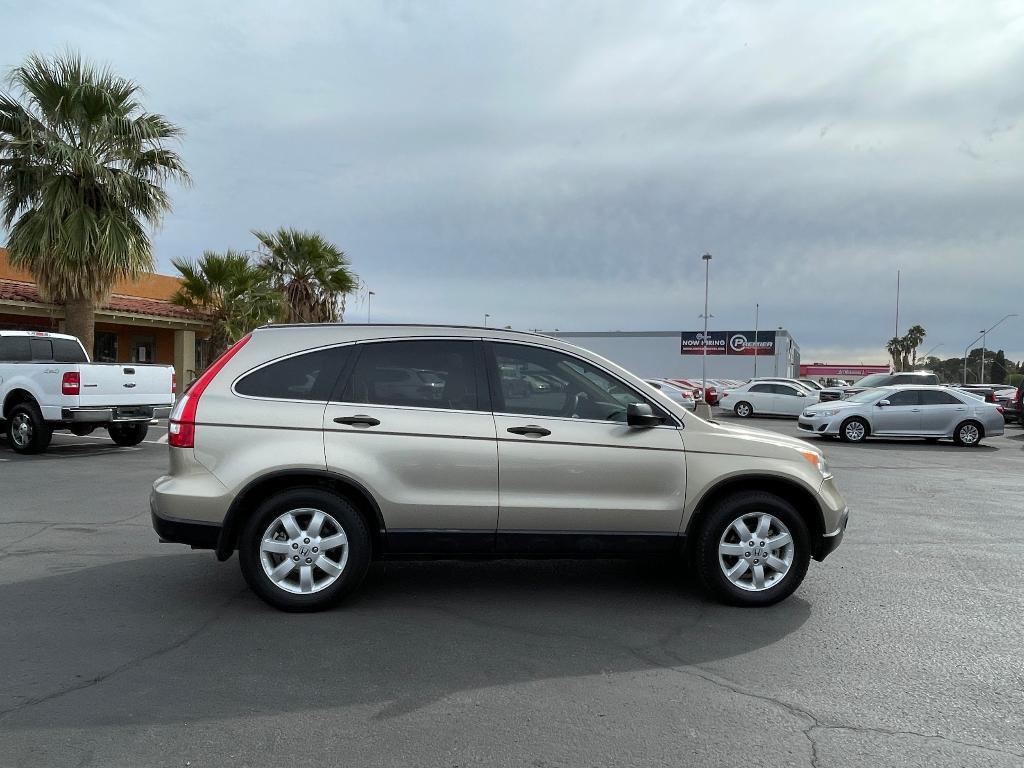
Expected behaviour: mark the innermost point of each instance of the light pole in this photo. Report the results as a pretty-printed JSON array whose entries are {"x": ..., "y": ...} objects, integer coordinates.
[
  {"x": 981, "y": 375},
  {"x": 486, "y": 317},
  {"x": 704, "y": 361},
  {"x": 369, "y": 300},
  {"x": 757, "y": 349},
  {"x": 982, "y": 339}
]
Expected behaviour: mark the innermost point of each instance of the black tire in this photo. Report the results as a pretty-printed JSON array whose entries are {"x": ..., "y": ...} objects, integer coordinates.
[
  {"x": 34, "y": 434},
  {"x": 128, "y": 434},
  {"x": 968, "y": 434},
  {"x": 348, "y": 518},
  {"x": 82, "y": 429},
  {"x": 849, "y": 432},
  {"x": 743, "y": 409},
  {"x": 715, "y": 524}
]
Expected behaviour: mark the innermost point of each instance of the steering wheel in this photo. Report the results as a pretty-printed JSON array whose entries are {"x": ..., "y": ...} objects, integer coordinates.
[{"x": 574, "y": 404}]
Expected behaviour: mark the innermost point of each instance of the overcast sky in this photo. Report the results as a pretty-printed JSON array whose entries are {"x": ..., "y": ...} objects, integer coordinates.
[{"x": 564, "y": 165}]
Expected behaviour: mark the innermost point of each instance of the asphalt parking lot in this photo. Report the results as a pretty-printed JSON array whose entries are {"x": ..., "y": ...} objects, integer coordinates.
[{"x": 903, "y": 648}]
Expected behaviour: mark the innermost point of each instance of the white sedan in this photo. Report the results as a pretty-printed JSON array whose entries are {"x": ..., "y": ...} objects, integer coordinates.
[
  {"x": 681, "y": 395},
  {"x": 766, "y": 398}
]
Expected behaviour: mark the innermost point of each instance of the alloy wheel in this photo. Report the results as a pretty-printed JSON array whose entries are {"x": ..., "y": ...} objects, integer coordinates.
[
  {"x": 756, "y": 551},
  {"x": 304, "y": 551},
  {"x": 969, "y": 434},
  {"x": 854, "y": 431},
  {"x": 21, "y": 430}
]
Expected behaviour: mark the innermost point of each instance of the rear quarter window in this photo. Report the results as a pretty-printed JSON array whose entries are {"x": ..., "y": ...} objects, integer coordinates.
[
  {"x": 306, "y": 376},
  {"x": 68, "y": 351}
]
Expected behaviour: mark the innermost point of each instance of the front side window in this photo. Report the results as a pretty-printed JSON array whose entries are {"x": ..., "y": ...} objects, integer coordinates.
[
  {"x": 766, "y": 389},
  {"x": 15, "y": 349},
  {"x": 543, "y": 382},
  {"x": 904, "y": 397},
  {"x": 785, "y": 389},
  {"x": 309, "y": 376},
  {"x": 424, "y": 373}
]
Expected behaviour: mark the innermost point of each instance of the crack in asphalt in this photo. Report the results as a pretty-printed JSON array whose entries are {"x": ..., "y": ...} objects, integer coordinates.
[
  {"x": 684, "y": 667},
  {"x": 218, "y": 613}
]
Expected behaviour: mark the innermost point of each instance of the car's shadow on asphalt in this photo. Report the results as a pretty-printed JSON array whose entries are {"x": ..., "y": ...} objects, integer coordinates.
[{"x": 182, "y": 639}]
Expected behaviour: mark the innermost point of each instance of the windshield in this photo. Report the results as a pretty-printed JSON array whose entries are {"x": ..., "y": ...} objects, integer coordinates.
[
  {"x": 865, "y": 397},
  {"x": 873, "y": 380}
]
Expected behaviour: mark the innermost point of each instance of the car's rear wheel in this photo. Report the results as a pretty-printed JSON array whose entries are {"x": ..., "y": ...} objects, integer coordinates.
[
  {"x": 128, "y": 434},
  {"x": 967, "y": 434},
  {"x": 304, "y": 549},
  {"x": 26, "y": 431},
  {"x": 752, "y": 549},
  {"x": 854, "y": 430},
  {"x": 744, "y": 410}
]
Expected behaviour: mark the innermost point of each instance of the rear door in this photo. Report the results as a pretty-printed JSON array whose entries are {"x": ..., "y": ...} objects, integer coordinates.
[
  {"x": 412, "y": 423},
  {"x": 573, "y": 475},
  {"x": 902, "y": 416},
  {"x": 940, "y": 412}
]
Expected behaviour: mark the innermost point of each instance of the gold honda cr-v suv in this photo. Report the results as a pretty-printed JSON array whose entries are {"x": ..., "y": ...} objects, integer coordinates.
[{"x": 316, "y": 449}]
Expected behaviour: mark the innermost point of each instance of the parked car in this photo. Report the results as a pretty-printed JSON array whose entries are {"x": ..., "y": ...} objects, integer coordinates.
[
  {"x": 812, "y": 384},
  {"x": 931, "y": 412},
  {"x": 1010, "y": 400},
  {"x": 682, "y": 395},
  {"x": 708, "y": 394},
  {"x": 879, "y": 380},
  {"x": 310, "y": 490},
  {"x": 47, "y": 383},
  {"x": 795, "y": 382},
  {"x": 766, "y": 398}
]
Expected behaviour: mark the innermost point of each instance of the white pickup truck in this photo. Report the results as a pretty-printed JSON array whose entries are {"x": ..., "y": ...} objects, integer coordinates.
[{"x": 48, "y": 383}]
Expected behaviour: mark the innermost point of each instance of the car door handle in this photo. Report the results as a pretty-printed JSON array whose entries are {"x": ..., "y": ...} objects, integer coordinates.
[
  {"x": 357, "y": 419},
  {"x": 530, "y": 429}
]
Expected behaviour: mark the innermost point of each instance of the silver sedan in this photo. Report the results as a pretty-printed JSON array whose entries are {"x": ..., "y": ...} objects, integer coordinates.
[{"x": 931, "y": 412}]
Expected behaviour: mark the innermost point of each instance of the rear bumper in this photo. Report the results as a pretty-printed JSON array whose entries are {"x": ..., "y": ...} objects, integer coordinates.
[
  {"x": 172, "y": 531},
  {"x": 115, "y": 413}
]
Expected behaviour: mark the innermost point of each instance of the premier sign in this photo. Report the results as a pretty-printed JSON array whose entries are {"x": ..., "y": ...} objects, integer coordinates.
[{"x": 727, "y": 343}]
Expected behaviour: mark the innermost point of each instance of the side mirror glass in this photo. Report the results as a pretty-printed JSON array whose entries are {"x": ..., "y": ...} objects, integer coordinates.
[
  {"x": 883, "y": 403},
  {"x": 801, "y": 394},
  {"x": 641, "y": 415}
]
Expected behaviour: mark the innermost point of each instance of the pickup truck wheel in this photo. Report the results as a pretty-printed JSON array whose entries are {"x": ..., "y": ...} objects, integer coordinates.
[
  {"x": 752, "y": 549},
  {"x": 128, "y": 434},
  {"x": 26, "y": 430},
  {"x": 304, "y": 549}
]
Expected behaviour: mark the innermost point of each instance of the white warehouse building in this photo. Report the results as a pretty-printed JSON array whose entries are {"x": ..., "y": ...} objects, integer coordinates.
[{"x": 680, "y": 354}]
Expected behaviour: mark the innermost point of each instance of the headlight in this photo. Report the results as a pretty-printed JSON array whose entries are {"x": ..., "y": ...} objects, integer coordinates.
[
  {"x": 828, "y": 412},
  {"x": 818, "y": 461}
]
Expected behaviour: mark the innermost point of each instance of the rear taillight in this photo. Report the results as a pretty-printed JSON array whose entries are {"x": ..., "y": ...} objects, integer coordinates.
[
  {"x": 71, "y": 383},
  {"x": 1000, "y": 409},
  {"x": 181, "y": 427}
]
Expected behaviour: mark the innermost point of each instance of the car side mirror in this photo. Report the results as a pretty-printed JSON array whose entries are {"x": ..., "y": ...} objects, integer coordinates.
[
  {"x": 641, "y": 415},
  {"x": 801, "y": 394},
  {"x": 883, "y": 403}
]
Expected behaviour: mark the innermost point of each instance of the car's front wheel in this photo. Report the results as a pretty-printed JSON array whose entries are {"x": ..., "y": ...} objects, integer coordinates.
[
  {"x": 128, "y": 434},
  {"x": 854, "y": 430},
  {"x": 752, "y": 549},
  {"x": 304, "y": 549}
]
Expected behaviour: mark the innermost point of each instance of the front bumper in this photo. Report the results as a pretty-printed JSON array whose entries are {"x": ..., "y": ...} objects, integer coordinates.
[
  {"x": 819, "y": 425},
  {"x": 830, "y": 541},
  {"x": 115, "y": 414}
]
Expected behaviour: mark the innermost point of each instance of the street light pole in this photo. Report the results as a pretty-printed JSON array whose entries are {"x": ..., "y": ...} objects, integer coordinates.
[
  {"x": 704, "y": 361},
  {"x": 757, "y": 349},
  {"x": 982, "y": 338},
  {"x": 981, "y": 376},
  {"x": 369, "y": 300},
  {"x": 486, "y": 316}
]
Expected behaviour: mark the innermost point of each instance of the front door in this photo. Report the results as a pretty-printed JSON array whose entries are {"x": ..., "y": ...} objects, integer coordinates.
[
  {"x": 789, "y": 401},
  {"x": 412, "y": 424},
  {"x": 573, "y": 476},
  {"x": 902, "y": 416}
]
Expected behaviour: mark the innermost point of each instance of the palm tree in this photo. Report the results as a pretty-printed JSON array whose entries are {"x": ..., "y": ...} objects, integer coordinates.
[
  {"x": 313, "y": 274},
  {"x": 83, "y": 169},
  {"x": 895, "y": 349},
  {"x": 234, "y": 294},
  {"x": 914, "y": 338}
]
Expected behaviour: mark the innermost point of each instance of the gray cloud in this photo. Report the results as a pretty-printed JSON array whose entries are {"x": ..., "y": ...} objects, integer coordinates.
[{"x": 565, "y": 166}]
